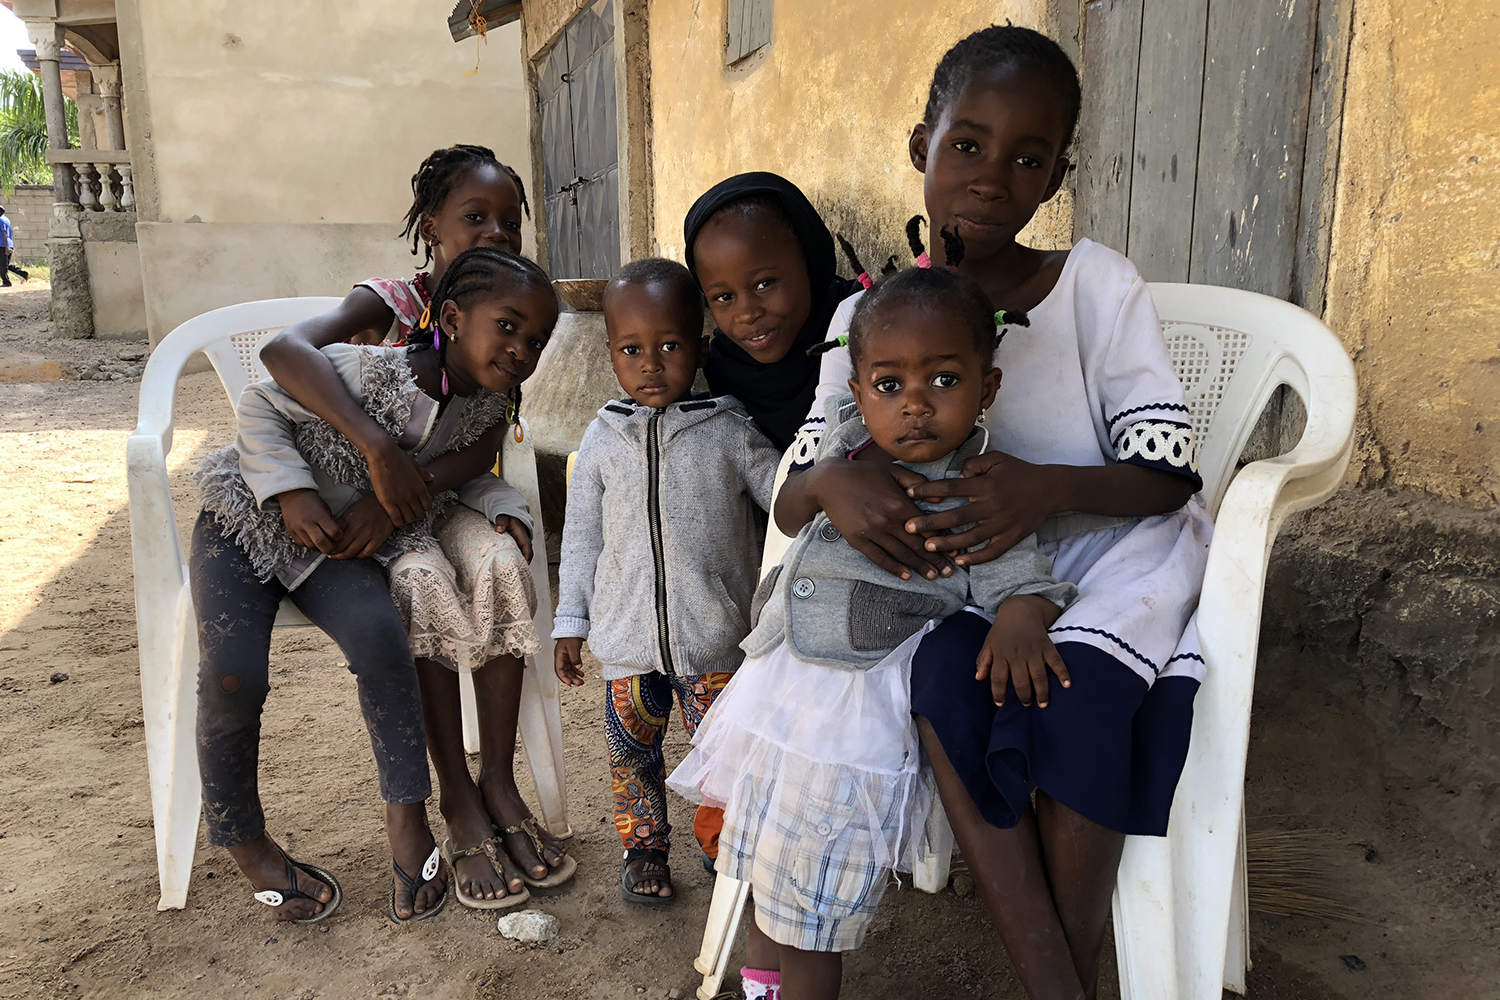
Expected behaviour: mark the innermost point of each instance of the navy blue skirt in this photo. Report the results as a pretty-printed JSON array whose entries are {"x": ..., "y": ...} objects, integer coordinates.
[{"x": 1110, "y": 748}]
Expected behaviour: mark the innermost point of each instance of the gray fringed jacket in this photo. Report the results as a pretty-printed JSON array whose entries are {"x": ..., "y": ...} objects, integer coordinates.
[
  {"x": 284, "y": 446},
  {"x": 663, "y": 538},
  {"x": 836, "y": 608}
]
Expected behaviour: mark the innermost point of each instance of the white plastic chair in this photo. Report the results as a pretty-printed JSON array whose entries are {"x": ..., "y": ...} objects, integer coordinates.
[
  {"x": 168, "y": 633},
  {"x": 1180, "y": 906}
]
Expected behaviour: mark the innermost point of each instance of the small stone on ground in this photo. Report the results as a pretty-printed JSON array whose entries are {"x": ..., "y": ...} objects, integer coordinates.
[{"x": 529, "y": 926}]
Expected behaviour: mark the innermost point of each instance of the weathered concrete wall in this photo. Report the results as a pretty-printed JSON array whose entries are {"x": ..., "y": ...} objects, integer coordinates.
[
  {"x": 829, "y": 104},
  {"x": 208, "y": 265},
  {"x": 29, "y": 211},
  {"x": 1390, "y": 599},
  {"x": 301, "y": 117},
  {"x": 115, "y": 285},
  {"x": 114, "y": 266},
  {"x": 1414, "y": 280}
]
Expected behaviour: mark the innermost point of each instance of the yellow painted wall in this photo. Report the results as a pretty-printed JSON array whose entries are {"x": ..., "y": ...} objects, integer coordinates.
[
  {"x": 1414, "y": 283},
  {"x": 829, "y": 104},
  {"x": 1414, "y": 280}
]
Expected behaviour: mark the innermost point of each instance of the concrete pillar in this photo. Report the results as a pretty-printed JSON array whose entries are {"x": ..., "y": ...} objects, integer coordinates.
[
  {"x": 107, "y": 82},
  {"x": 47, "y": 37},
  {"x": 90, "y": 113},
  {"x": 72, "y": 308}
]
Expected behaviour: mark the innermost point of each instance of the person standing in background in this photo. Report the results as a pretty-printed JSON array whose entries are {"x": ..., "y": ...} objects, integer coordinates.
[{"x": 8, "y": 246}]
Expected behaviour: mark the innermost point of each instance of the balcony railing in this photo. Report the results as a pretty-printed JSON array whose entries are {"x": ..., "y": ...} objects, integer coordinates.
[{"x": 100, "y": 176}]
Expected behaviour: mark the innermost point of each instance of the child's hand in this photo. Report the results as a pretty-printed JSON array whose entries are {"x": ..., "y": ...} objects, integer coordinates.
[
  {"x": 309, "y": 520},
  {"x": 1018, "y": 650},
  {"x": 399, "y": 483},
  {"x": 515, "y": 528},
  {"x": 366, "y": 526},
  {"x": 568, "y": 661}
]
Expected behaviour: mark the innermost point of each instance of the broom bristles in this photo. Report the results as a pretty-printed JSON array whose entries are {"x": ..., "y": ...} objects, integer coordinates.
[{"x": 1290, "y": 873}]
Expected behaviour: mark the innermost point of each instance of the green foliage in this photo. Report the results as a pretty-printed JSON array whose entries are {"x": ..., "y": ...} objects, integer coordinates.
[{"x": 23, "y": 130}]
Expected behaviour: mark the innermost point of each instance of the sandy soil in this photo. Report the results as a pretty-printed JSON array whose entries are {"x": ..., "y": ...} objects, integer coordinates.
[{"x": 77, "y": 871}]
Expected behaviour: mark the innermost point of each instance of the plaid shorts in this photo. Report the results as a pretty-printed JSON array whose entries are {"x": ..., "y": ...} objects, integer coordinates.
[{"x": 812, "y": 865}]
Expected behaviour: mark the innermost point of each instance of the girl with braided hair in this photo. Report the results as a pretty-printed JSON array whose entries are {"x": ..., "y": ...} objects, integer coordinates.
[
  {"x": 468, "y": 603},
  {"x": 1094, "y": 453},
  {"x": 287, "y": 513}
]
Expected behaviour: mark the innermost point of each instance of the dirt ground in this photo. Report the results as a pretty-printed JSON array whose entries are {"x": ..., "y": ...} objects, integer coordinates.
[{"x": 78, "y": 887}]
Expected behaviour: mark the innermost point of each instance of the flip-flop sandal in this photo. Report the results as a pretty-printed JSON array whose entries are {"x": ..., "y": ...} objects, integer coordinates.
[
  {"x": 429, "y": 871},
  {"x": 653, "y": 870},
  {"x": 486, "y": 849},
  {"x": 708, "y": 864},
  {"x": 274, "y": 897},
  {"x": 556, "y": 876}
]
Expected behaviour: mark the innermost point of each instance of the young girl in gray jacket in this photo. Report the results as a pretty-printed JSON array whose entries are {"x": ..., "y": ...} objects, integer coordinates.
[{"x": 660, "y": 552}]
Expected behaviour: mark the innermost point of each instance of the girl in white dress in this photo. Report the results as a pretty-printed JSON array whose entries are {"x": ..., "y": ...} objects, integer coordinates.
[{"x": 1095, "y": 455}]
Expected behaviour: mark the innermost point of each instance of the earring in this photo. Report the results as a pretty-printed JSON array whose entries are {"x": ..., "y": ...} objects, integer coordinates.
[{"x": 981, "y": 416}]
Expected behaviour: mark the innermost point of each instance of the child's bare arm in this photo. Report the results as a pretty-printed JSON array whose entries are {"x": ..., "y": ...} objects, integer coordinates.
[
  {"x": 295, "y": 360},
  {"x": 1027, "y": 600},
  {"x": 458, "y": 468},
  {"x": 452, "y": 470},
  {"x": 1018, "y": 650},
  {"x": 1009, "y": 499}
]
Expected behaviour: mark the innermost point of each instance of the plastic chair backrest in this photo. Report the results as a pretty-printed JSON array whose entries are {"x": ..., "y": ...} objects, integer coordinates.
[
  {"x": 1231, "y": 349},
  {"x": 236, "y": 357}
]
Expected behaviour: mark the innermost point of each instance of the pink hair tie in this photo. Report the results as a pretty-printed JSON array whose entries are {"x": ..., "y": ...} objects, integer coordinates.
[
  {"x": 864, "y": 279},
  {"x": 923, "y": 260}
]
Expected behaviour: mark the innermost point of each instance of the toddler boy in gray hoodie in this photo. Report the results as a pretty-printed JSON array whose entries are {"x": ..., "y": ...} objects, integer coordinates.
[{"x": 661, "y": 551}]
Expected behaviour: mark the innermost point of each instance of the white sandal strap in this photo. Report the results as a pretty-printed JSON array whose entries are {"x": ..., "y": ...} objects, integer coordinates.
[
  {"x": 270, "y": 897},
  {"x": 430, "y": 866}
]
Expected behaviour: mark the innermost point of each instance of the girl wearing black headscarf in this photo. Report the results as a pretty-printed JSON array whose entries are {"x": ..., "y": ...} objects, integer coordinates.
[{"x": 765, "y": 261}]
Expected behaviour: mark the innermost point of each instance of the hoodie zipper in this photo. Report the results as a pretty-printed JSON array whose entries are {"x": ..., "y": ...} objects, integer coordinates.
[{"x": 653, "y": 517}]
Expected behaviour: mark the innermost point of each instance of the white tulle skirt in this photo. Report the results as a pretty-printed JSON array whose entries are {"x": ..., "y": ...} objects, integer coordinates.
[{"x": 813, "y": 766}]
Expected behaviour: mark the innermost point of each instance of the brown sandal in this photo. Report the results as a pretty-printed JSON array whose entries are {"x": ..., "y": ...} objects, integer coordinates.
[
  {"x": 557, "y": 875},
  {"x": 490, "y": 850}
]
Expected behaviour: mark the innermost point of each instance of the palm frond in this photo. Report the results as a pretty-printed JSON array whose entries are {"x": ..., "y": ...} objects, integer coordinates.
[{"x": 23, "y": 130}]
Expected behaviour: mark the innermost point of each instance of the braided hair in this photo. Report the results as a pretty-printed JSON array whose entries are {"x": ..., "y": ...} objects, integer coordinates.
[
  {"x": 434, "y": 182},
  {"x": 1004, "y": 45},
  {"x": 964, "y": 292},
  {"x": 938, "y": 287},
  {"x": 480, "y": 271}
]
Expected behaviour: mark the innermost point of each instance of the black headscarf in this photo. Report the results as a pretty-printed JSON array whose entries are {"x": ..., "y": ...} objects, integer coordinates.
[{"x": 777, "y": 395}]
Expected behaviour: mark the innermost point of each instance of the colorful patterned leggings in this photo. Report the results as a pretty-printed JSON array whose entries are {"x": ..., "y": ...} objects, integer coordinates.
[{"x": 636, "y": 723}]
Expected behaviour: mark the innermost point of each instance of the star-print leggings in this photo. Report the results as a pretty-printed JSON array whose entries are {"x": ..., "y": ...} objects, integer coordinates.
[
  {"x": 350, "y": 600},
  {"x": 636, "y": 722}
]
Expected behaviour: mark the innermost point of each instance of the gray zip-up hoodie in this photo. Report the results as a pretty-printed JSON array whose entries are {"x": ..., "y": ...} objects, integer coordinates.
[
  {"x": 836, "y": 608},
  {"x": 663, "y": 538}
]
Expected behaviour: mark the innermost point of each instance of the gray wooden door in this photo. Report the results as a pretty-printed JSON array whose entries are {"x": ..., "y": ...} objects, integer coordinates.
[
  {"x": 580, "y": 148},
  {"x": 1205, "y": 146},
  {"x": 1194, "y": 152}
]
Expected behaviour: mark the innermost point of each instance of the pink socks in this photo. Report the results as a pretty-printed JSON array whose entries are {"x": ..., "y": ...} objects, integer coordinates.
[{"x": 761, "y": 984}]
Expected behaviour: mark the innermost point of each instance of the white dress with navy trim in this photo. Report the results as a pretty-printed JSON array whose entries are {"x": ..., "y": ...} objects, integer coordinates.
[{"x": 1090, "y": 383}]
